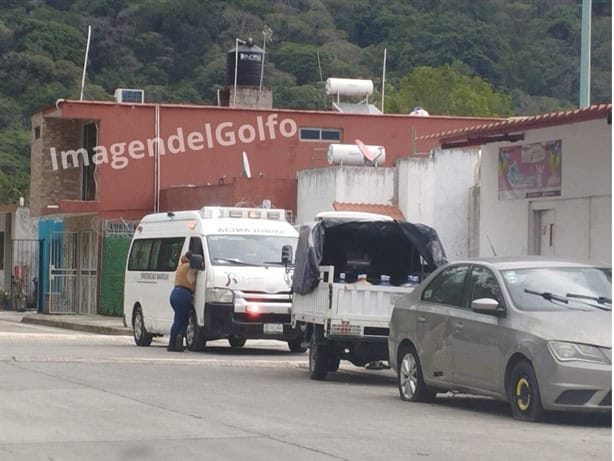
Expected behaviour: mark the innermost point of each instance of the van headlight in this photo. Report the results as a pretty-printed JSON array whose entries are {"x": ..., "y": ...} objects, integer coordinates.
[
  {"x": 220, "y": 295},
  {"x": 566, "y": 352}
]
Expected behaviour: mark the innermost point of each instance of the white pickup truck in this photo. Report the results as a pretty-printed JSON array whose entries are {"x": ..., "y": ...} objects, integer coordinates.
[{"x": 350, "y": 270}]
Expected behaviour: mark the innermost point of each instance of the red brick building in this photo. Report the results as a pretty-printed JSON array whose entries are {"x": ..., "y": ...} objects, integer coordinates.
[
  {"x": 122, "y": 171},
  {"x": 98, "y": 167}
]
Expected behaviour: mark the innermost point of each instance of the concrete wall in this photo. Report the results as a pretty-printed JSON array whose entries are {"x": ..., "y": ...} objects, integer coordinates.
[
  {"x": 582, "y": 214},
  {"x": 417, "y": 189},
  {"x": 319, "y": 188},
  {"x": 436, "y": 191}
]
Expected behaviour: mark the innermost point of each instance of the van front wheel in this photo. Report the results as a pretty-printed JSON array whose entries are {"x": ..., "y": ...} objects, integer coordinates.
[
  {"x": 195, "y": 337},
  {"x": 141, "y": 336}
]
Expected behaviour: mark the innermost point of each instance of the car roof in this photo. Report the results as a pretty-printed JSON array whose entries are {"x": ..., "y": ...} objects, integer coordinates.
[{"x": 518, "y": 262}]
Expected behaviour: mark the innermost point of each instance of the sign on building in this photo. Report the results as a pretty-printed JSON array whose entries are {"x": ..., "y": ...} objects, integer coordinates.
[{"x": 530, "y": 170}]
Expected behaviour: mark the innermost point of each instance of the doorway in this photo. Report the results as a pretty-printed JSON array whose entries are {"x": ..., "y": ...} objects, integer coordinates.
[{"x": 544, "y": 229}]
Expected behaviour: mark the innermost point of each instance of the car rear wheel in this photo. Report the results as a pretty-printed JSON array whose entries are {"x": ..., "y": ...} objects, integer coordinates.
[
  {"x": 195, "y": 338},
  {"x": 141, "y": 336},
  {"x": 524, "y": 393},
  {"x": 411, "y": 385}
]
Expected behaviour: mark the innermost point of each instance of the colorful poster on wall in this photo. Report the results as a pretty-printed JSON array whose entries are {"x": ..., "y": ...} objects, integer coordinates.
[{"x": 530, "y": 170}]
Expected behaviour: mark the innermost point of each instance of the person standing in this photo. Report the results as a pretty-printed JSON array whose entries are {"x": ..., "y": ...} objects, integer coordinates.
[{"x": 181, "y": 301}]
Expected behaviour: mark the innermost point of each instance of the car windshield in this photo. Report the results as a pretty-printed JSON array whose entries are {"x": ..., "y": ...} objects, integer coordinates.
[
  {"x": 560, "y": 288},
  {"x": 247, "y": 250}
]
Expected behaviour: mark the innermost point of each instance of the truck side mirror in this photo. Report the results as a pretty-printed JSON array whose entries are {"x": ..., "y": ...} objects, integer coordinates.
[
  {"x": 286, "y": 254},
  {"x": 197, "y": 262}
]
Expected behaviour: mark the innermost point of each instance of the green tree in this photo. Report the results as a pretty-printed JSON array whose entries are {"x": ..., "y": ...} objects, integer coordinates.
[
  {"x": 14, "y": 165},
  {"x": 444, "y": 91}
]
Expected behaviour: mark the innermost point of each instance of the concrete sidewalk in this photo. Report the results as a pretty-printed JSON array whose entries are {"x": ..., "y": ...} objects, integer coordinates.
[{"x": 99, "y": 324}]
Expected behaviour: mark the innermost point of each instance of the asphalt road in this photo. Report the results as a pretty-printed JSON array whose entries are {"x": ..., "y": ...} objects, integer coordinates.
[{"x": 76, "y": 396}]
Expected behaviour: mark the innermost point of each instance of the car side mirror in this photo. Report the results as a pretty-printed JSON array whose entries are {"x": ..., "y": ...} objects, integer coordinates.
[
  {"x": 486, "y": 306},
  {"x": 197, "y": 262},
  {"x": 286, "y": 254}
]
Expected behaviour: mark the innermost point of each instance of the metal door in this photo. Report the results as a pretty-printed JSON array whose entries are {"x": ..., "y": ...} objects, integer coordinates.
[
  {"x": 546, "y": 220},
  {"x": 72, "y": 273}
]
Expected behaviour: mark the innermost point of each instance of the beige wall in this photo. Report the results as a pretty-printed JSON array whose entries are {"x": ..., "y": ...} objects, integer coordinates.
[{"x": 583, "y": 212}]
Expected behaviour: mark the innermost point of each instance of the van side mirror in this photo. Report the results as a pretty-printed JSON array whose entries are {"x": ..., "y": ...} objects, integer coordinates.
[
  {"x": 197, "y": 262},
  {"x": 286, "y": 254}
]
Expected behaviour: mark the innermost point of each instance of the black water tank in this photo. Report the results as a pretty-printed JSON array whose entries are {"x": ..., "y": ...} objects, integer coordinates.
[{"x": 249, "y": 64}]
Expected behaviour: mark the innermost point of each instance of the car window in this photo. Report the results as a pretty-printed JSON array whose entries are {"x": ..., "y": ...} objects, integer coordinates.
[
  {"x": 484, "y": 285},
  {"x": 447, "y": 287}
]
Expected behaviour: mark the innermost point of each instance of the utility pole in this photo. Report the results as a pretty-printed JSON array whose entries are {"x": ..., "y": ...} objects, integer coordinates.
[{"x": 585, "y": 55}]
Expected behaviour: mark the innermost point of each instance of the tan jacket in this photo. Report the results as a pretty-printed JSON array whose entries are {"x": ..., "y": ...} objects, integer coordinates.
[{"x": 184, "y": 276}]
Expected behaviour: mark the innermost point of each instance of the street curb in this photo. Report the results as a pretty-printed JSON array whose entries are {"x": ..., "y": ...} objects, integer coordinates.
[{"x": 99, "y": 329}]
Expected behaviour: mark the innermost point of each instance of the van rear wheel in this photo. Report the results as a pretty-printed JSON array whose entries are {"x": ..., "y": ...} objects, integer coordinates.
[
  {"x": 141, "y": 336},
  {"x": 195, "y": 336}
]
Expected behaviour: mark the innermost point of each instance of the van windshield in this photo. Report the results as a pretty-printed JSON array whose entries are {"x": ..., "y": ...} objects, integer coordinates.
[{"x": 247, "y": 250}]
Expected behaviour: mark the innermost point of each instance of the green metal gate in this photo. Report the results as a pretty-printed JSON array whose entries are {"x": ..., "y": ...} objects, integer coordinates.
[{"x": 115, "y": 246}]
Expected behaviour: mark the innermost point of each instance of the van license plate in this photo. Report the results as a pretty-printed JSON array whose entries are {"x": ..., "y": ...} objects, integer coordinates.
[{"x": 273, "y": 328}]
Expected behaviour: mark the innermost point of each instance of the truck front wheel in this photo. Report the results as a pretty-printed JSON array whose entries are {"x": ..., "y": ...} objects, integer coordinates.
[{"x": 318, "y": 360}]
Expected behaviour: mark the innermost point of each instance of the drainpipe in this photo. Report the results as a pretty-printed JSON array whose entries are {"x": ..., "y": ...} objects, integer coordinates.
[{"x": 156, "y": 204}]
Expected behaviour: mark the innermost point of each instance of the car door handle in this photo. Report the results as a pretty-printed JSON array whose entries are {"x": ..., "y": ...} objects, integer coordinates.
[
  {"x": 458, "y": 327},
  {"x": 421, "y": 320}
]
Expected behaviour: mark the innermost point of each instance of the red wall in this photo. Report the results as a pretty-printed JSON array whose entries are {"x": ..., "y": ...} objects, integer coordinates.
[
  {"x": 130, "y": 190},
  {"x": 281, "y": 193}
]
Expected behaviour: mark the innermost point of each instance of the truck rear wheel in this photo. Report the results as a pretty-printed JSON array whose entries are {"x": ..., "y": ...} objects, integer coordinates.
[
  {"x": 295, "y": 345},
  {"x": 318, "y": 360},
  {"x": 333, "y": 362}
]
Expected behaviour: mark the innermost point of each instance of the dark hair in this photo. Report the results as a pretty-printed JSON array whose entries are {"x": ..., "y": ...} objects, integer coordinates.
[{"x": 188, "y": 254}]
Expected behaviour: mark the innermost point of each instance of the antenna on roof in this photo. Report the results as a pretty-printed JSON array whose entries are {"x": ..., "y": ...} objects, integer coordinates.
[
  {"x": 87, "y": 52},
  {"x": 247, "y": 172}
]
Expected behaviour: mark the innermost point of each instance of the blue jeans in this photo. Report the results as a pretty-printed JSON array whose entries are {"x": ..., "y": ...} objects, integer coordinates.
[{"x": 181, "y": 301}]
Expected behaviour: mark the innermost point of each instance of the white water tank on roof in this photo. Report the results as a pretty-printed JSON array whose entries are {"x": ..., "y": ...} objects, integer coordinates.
[
  {"x": 349, "y": 87},
  {"x": 350, "y": 154}
]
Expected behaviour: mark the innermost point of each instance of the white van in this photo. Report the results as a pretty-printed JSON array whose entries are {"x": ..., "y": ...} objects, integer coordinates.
[{"x": 242, "y": 293}]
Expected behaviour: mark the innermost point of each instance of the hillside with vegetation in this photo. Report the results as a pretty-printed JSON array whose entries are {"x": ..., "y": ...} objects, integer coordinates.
[{"x": 457, "y": 57}]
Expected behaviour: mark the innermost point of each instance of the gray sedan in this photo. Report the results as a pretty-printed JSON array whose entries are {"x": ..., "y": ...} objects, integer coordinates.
[{"x": 533, "y": 331}]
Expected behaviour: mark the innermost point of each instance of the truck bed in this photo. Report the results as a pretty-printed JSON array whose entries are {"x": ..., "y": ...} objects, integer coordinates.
[{"x": 353, "y": 309}]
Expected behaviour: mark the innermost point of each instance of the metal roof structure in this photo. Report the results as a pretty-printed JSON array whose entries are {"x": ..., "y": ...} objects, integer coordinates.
[{"x": 511, "y": 129}]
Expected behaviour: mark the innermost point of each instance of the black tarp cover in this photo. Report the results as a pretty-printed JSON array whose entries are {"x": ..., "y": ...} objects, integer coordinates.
[{"x": 393, "y": 248}]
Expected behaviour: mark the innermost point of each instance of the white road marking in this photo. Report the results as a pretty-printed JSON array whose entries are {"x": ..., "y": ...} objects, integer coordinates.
[{"x": 237, "y": 363}]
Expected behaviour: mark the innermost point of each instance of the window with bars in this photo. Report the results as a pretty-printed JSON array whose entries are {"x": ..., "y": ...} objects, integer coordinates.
[{"x": 321, "y": 134}]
